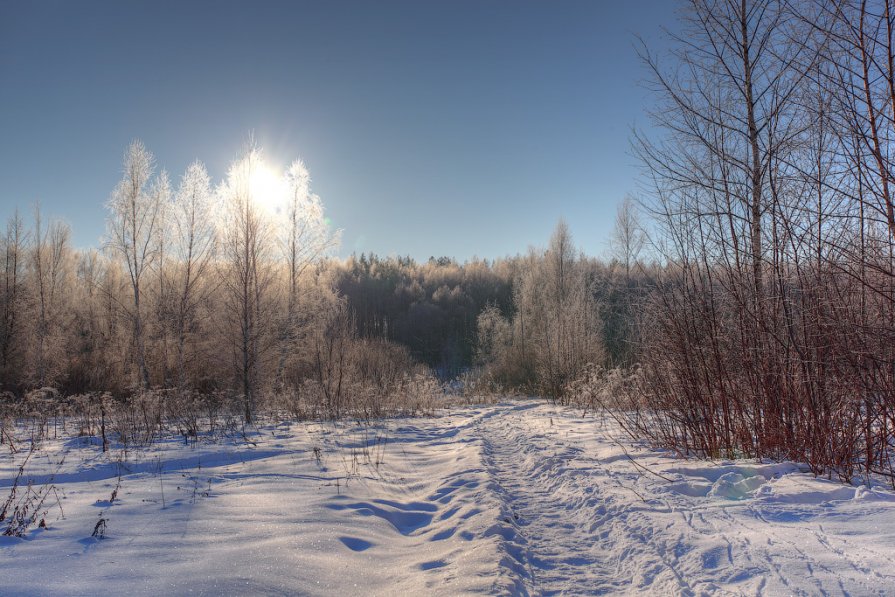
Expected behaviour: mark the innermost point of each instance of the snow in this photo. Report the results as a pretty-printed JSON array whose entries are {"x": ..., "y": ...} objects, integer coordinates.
[{"x": 519, "y": 497}]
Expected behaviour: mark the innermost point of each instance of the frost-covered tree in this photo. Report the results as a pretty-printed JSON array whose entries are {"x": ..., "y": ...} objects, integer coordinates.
[
  {"x": 556, "y": 329},
  {"x": 305, "y": 236},
  {"x": 246, "y": 251},
  {"x": 564, "y": 324},
  {"x": 135, "y": 218},
  {"x": 97, "y": 343},
  {"x": 628, "y": 237},
  {"x": 49, "y": 270},
  {"x": 162, "y": 285},
  {"x": 193, "y": 238}
]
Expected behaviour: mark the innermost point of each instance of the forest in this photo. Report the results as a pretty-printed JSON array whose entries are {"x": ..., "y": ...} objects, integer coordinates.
[{"x": 204, "y": 294}]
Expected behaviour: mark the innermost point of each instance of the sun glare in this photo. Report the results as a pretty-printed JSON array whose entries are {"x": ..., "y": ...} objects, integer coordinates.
[{"x": 267, "y": 187}]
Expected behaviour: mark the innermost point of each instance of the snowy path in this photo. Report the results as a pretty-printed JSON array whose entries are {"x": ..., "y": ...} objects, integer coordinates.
[
  {"x": 515, "y": 498},
  {"x": 580, "y": 517},
  {"x": 568, "y": 533}
]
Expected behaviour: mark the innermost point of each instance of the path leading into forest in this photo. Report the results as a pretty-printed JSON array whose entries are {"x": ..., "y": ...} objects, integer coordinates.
[{"x": 514, "y": 498}]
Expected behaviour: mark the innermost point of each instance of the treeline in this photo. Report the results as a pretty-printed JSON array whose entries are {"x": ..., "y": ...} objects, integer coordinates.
[
  {"x": 431, "y": 308},
  {"x": 771, "y": 332},
  {"x": 528, "y": 323},
  {"x": 199, "y": 291},
  {"x": 202, "y": 292}
]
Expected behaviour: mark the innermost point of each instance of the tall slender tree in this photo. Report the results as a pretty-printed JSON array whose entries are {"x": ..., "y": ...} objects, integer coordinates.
[
  {"x": 49, "y": 270},
  {"x": 135, "y": 218},
  {"x": 11, "y": 300},
  {"x": 194, "y": 243},
  {"x": 246, "y": 244},
  {"x": 304, "y": 237}
]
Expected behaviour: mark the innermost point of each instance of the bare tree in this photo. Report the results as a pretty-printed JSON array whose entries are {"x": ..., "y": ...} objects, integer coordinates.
[
  {"x": 246, "y": 251},
  {"x": 331, "y": 344},
  {"x": 194, "y": 240},
  {"x": 304, "y": 237},
  {"x": 770, "y": 330},
  {"x": 628, "y": 237},
  {"x": 14, "y": 247},
  {"x": 731, "y": 119},
  {"x": 135, "y": 213},
  {"x": 556, "y": 327},
  {"x": 49, "y": 270},
  {"x": 162, "y": 293}
]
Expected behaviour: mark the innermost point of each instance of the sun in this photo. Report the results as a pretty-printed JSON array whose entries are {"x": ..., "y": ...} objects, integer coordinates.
[{"x": 267, "y": 187}]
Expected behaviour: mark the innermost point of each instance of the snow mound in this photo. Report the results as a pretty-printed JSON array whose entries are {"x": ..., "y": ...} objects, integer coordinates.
[{"x": 735, "y": 486}]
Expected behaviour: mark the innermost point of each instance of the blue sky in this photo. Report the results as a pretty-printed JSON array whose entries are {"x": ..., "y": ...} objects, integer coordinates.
[{"x": 430, "y": 128}]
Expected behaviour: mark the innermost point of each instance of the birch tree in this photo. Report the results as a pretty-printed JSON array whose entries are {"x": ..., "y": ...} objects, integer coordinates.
[
  {"x": 49, "y": 270},
  {"x": 304, "y": 237},
  {"x": 194, "y": 239},
  {"x": 246, "y": 245},
  {"x": 627, "y": 237},
  {"x": 135, "y": 210}
]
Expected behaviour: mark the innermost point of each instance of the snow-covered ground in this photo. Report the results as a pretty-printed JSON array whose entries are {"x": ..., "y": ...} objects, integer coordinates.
[{"x": 519, "y": 497}]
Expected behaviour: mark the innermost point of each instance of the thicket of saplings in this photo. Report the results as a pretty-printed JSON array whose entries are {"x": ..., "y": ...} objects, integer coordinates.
[
  {"x": 771, "y": 332},
  {"x": 203, "y": 311}
]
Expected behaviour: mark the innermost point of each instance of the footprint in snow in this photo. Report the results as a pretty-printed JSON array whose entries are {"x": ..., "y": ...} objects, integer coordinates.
[
  {"x": 406, "y": 518},
  {"x": 355, "y": 543}
]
